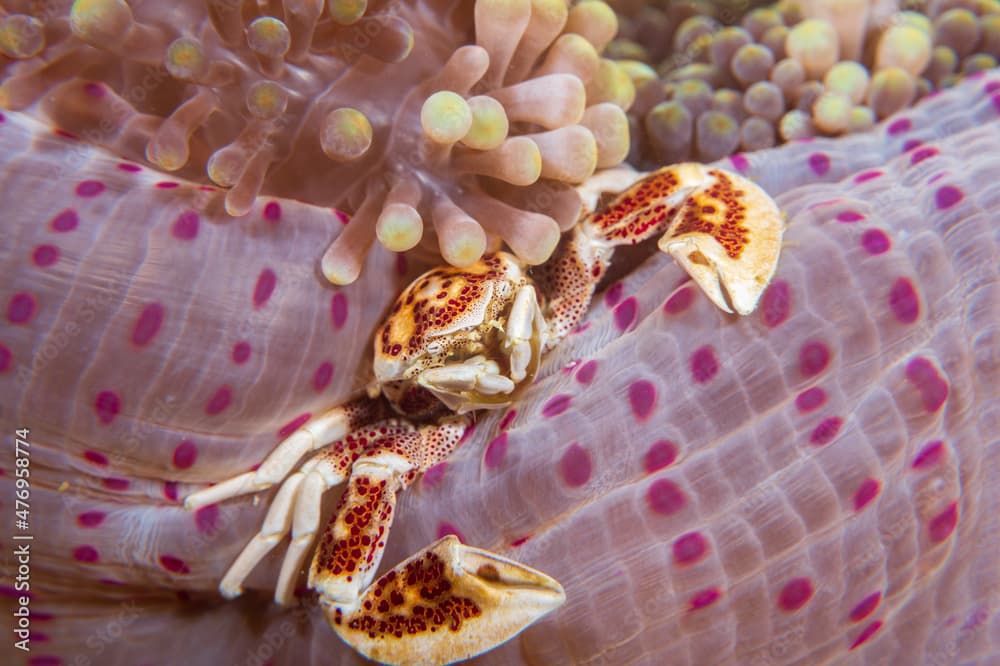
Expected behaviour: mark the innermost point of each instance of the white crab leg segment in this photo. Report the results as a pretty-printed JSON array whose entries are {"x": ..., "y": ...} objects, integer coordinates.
[
  {"x": 326, "y": 428},
  {"x": 355, "y": 538},
  {"x": 445, "y": 603},
  {"x": 727, "y": 236},
  {"x": 521, "y": 324}
]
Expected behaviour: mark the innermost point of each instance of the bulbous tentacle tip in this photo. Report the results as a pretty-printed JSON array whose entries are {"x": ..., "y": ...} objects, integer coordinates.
[
  {"x": 727, "y": 236},
  {"x": 21, "y": 36},
  {"x": 445, "y": 603}
]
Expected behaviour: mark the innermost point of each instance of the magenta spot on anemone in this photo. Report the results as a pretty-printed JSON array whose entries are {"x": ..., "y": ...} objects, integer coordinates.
[
  {"x": 444, "y": 529},
  {"x": 272, "y": 212},
  {"x": 865, "y": 493},
  {"x": 45, "y": 255},
  {"x": 5, "y": 358},
  {"x": 575, "y": 466},
  {"x": 264, "y": 288},
  {"x": 947, "y": 196},
  {"x": 556, "y": 405},
  {"x": 21, "y": 308},
  {"x": 910, "y": 144},
  {"x": 206, "y": 517},
  {"x": 89, "y": 188},
  {"x": 865, "y": 607},
  {"x": 507, "y": 419},
  {"x": 90, "y": 519},
  {"x": 661, "y": 454},
  {"x": 935, "y": 178},
  {"x": 680, "y": 301},
  {"x": 932, "y": 386},
  {"x": 903, "y": 301},
  {"x": 899, "y": 126},
  {"x": 827, "y": 429},
  {"x": 704, "y": 364},
  {"x": 586, "y": 373},
  {"x": 705, "y": 598},
  {"x": 689, "y": 548},
  {"x": 185, "y": 454},
  {"x": 775, "y": 304},
  {"x": 115, "y": 483},
  {"x": 129, "y": 168},
  {"x": 923, "y": 154},
  {"x": 294, "y": 424},
  {"x": 814, "y": 356},
  {"x": 995, "y": 100},
  {"x": 521, "y": 541},
  {"x": 866, "y": 633},
  {"x": 930, "y": 455},
  {"x": 942, "y": 525},
  {"x": 107, "y": 404},
  {"x": 147, "y": 325},
  {"x": 991, "y": 87},
  {"x": 64, "y": 134},
  {"x": 665, "y": 497},
  {"x": 496, "y": 451},
  {"x": 401, "y": 264},
  {"x": 740, "y": 162},
  {"x": 810, "y": 399},
  {"x": 96, "y": 458},
  {"x": 642, "y": 398},
  {"x": 614, "y": 294},
  {"x": 241, "y": 352},
  {"x": 167, "y": 185},
  {"x": 219, "y": 400},
  {"x": 849, "y": 216},
  {"x": 626, "y": 314},
  {"x": 795, "y": 594},
  {"x": 819, "y": 163},
  {"x": 343, "y": 217},
  {"x": 875, "y": 241},
  {"x": 338, "y": 311},
  {"x": 174, "y": 564},
  {"x": 434, "y": 475},
  {"x": 322, "y": 376},
  {"x": 66, "y": 220},
  {"x": 185, "y": 227},
  {"x": 86, "y": 554},
  {"x": 866, "y": 176},
  {"x": 170, "y": 490},
  {"x": 39, "y": 637},
  {"x": 45, "y": 660},
  {"x": 94, "y": 89}
]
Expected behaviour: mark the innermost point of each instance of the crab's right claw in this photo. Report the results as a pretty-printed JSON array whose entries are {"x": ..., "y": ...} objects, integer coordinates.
[
  {"x": 727, "y": 236},
  {"x": 446, "y": 603}
]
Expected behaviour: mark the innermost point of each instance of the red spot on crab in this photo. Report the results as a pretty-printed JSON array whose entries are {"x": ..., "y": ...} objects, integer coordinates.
[
  {"x": 942, "y": 525},
  {"x": 866, "y": 633},
  {"x": 107, "y": 404},
  {"x": 689, "y": 548},
  {"x": 865, "y": 493},
  {"x": 262, "y": 291},
  {"x": 575, "y": 466},
  {"x": 865, "y": 607},
  {"x": 930, "y": 455},
  {"x": 174, "y": 564},
  {"x": 704, "y": 364},
  {"x": 147, "y": 325},
  {"x": 338, "y": 311},
  {"x": 704, "y": 598},
  {"x": 661, "y": 454},
  {"x": 665, "y": 497},
  {"x": 185, "y": 454},
  {"x": 642, "y": 398},
  {"x": 795, "y": 594}
]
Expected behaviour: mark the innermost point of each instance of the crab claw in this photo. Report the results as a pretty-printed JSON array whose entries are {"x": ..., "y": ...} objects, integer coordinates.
[
  {"x": 727, "y": 236},
  {"x": 445, "y": 603}
]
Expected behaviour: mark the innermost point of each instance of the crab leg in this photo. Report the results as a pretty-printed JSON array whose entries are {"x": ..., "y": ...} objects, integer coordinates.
[{"x": 326, "y": 428}]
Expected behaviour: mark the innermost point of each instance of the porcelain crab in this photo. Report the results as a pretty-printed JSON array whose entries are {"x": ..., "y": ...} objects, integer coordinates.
[{"x": 459, "y": 340}]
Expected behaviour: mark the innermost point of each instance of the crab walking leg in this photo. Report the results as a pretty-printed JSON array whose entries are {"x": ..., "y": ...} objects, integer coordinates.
[
  {"x": 522, "y": 325},
  {"x": 328, "y": 427}
]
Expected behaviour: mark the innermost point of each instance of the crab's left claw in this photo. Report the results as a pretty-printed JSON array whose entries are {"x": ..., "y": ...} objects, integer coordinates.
[
  {"x": 727, "y": 236},
  {"x": 446, "y": 603}
]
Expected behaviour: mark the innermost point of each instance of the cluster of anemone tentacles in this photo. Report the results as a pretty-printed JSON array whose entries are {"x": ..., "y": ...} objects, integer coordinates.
[{"x": 471, "y": 129}]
